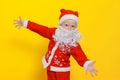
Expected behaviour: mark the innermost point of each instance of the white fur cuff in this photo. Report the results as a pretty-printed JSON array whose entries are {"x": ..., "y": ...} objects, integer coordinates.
[{"x": 25, "y": 23}]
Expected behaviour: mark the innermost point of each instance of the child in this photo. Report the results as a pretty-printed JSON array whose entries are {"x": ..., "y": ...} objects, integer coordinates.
[{"x": 63, "y": 43}]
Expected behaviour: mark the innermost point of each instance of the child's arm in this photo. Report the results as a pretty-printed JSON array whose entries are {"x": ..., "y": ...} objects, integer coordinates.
[
  {"x": 82, "y": 60},
  {"x": 40, "y": 29}
]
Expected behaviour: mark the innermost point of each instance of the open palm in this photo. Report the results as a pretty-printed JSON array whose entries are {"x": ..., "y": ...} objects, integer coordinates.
[
  {"x": 91, "y": 69},
  {"x": 19, "y": 22}
]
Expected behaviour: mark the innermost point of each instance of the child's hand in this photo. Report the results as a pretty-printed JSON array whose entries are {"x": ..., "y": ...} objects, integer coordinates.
[
  {"x": 19, "y": 22},
  {"x": 91, "y": 69}
]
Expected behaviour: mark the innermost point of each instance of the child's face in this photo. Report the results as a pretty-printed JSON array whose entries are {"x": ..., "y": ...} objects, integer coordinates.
[{"x": 69, "y": 24}]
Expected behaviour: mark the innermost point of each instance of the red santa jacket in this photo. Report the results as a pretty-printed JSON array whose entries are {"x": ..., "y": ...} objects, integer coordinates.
[{"x": 55, "y": 59}]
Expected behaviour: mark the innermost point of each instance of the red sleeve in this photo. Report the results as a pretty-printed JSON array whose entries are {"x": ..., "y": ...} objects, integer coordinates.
[
  {"x": 79, "y": 55},
  {"x": 40, "y": 29}
]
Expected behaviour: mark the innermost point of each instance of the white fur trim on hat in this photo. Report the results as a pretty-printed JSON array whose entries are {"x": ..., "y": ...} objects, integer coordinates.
[{"x": 68, "y": 16}]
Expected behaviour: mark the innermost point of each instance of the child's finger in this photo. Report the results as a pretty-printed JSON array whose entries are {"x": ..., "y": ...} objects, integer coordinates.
[
  {"x": 19, "y": 27},
  {"x": 16, "y": 22},
  {"x": 95, "y": 72},
  {"x": 91, "y": 74},
  {"x": 93, "y": 62}
]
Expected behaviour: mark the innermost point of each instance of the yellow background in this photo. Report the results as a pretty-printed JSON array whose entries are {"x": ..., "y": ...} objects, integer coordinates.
[{"x": 21, "y": 50}]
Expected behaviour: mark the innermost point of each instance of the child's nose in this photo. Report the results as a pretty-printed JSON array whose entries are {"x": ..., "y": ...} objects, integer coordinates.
[{"x": 69, "y": 28}]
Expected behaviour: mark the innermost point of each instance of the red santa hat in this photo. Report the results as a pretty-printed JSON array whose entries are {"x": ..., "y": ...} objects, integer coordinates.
[{"x": 68, "y": 14}]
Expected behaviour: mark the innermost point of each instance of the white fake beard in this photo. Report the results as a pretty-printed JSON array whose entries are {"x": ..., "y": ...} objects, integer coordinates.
[{"x": 66, "y": 38}]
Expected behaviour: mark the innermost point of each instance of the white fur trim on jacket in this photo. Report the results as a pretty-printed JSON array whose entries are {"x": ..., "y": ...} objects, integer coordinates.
[
  {"x": 69, "y": 16},
  {"x": 25, "y": 23},
  {"x": 45, "y": 64},
  {"x": 86, "y": 64},
  {"x": 59, "y": 69}
]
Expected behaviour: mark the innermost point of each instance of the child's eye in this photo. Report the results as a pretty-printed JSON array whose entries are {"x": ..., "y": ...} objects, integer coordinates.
[
  {"x": 66, "y": 24},
  {"x": 73, "y": 26}
]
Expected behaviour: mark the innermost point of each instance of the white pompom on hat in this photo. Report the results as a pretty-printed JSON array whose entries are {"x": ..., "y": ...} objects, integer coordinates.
[{"x": 68, "y": 14}]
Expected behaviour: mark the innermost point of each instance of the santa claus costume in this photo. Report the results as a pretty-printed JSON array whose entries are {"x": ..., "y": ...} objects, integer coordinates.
[{"x": 62, "y": 45}]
